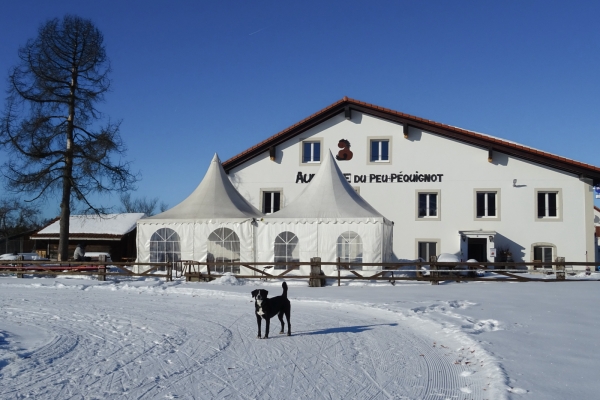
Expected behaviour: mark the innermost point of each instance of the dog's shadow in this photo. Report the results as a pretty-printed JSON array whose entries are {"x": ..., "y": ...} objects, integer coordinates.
[{"x": 341, "y": 329}]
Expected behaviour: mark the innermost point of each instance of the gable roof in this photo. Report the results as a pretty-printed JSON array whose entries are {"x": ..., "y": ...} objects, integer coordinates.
[
  {"x": 214, "y": 198},
  {"x": 347, "y": 105},
  {"x": 328, "y": 197},
  {"x": 109, "y": 226}
]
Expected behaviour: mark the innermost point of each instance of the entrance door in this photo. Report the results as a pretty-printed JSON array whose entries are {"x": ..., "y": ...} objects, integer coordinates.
[{"x": 477, "y": 249}]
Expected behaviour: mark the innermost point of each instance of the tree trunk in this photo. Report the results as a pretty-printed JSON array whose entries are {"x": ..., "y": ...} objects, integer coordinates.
[
  {"x": 65, "y": 214},
  {"x": 65, "y": 202}
]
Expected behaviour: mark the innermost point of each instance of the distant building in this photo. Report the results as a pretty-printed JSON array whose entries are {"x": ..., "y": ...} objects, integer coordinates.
[{"x": 112, "y": 233}]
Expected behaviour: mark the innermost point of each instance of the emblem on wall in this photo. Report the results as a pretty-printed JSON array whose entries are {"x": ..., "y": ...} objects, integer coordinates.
[{"x": 344, "y": 154}]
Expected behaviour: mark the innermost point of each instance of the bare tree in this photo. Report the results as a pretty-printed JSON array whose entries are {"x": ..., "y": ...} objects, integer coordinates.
[
  {"x": 51, "y": 127},
  {"x": 140, "y": 205},
  {"x": 17, "y": 216}
]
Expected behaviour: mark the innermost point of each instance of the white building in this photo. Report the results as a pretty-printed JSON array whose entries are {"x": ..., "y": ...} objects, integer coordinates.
[
  {"x": 446, "y": 189},
  {"x": 597, "y": 231}
]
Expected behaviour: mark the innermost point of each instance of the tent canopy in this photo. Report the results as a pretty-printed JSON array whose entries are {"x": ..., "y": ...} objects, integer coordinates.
[
  {"x": 328, "y": 198},
  {"x": 215, "y": 198}
]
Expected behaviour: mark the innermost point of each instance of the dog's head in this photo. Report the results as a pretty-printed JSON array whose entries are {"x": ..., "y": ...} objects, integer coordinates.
[{"x": 260, "y": 294}]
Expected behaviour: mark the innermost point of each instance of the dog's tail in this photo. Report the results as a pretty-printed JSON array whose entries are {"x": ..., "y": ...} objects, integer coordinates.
[{"x": 284, "y": 286}]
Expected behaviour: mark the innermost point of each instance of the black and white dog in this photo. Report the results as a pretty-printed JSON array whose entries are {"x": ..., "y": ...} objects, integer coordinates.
[{"x": 268, "y": 308}]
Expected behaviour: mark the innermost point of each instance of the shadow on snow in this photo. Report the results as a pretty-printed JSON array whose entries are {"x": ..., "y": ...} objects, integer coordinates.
[{"x": 341, "y": 329}]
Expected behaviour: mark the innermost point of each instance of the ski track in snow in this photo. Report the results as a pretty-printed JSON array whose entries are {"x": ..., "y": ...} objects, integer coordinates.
[{"x": 110, "y": 341}]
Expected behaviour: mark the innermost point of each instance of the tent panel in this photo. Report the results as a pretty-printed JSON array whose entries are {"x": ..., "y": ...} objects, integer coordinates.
[{"x": 145, "y": 232}]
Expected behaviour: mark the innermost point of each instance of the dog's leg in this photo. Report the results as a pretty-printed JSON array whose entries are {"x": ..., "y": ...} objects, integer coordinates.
[
  {"x": 287, "y": 316},
  {"x": 268, "y": 322},
  {"x": 258, "y": 321},
  {"x": 280, "y": 316}
]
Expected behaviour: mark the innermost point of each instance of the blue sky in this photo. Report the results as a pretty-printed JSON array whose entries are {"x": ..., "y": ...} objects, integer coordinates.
[{"x": 191, "y": 78}]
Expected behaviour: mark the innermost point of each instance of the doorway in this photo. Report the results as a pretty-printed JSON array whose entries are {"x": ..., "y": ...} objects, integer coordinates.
[{"x": 477, "y": 249}]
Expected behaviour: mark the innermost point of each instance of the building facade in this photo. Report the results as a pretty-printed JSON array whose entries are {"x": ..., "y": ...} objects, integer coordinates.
[{"x": 446, "y": 189}]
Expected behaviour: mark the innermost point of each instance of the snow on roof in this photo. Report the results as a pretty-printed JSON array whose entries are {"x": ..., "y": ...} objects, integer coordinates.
[
  {"x": 108, "y": 224},
  {"x": 214, "y": 198},
  {"x": 328, "y": 196}
]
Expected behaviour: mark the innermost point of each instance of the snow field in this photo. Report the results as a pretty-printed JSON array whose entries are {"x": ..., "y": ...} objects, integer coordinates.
[{"x": 73, "y": 339}]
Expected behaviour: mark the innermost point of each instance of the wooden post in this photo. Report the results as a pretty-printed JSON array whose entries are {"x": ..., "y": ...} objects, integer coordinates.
[
  {"x": 20, "y": 266},
  {"x": 560, "y": 269},
  {"x": 338, "y": 268},
  {"x": 207, "y": 270},
  {"x": 419, "y": 272},
  {"x": 102, "y": 268},
  {"x": 315, "y": 272},
  {"x": 169, "y": 276},
  {"x": 187, "y": 272},
  {"x": 433, "y": 272}
]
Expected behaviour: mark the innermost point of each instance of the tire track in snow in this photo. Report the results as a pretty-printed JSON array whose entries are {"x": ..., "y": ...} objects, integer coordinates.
[{"x": 184, "y": 347}]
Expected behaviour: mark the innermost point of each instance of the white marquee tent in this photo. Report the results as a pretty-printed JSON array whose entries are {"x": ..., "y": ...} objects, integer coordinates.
[
  {"x": 214, "y": 222},
  {"x": 327, "y": 220}
]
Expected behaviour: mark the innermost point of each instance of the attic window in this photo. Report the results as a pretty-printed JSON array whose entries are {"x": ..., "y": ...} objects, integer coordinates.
[
  {"x": 380, "y": 149},
  {"x": 311, "y": 151}
]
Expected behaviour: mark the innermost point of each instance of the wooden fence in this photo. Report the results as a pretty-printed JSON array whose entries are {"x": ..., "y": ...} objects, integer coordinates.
[
  {"x": 434, "y": 273},
  {"x": 102, "y": 269}
]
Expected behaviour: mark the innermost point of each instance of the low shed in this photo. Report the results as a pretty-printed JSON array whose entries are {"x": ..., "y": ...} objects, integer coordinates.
[{"x": 111, "y": 233}]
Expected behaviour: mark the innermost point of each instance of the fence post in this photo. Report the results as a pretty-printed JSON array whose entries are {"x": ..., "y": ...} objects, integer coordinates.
[
  {"x": 338, "y": 268},
  {"x": 433, "y": 270},
  {"x": 102, "y": 268},
  {"x": 187, "y": 272},
  {"x": 20, "y": 266},
  {"x": 560, "y": 269},
  {"x": 315, "y": 272},
  {"x": 169, "y": 276}
]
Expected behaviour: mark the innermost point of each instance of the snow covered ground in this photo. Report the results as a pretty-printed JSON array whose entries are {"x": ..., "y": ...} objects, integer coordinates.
[{"x": 75, "y": 338}]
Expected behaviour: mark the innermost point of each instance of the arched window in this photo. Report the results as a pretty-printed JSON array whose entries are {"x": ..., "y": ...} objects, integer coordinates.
[
  {"x": 224, "y": 245},
  {"x": 350, "y": 248},
  {"x": 164, "y": 246},
  {"x": 286, "y": 248}
]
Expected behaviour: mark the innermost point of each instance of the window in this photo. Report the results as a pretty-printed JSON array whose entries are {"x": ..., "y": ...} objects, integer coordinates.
[
  {"x": 428, "y": 205},
  {"x": 311, "y": 152},
  {"x": 486, "y": 204},
  {"x": 380, "y": 150},
  {"x": 350, "y": 248},
  {"x": 547, "y": 204},
  {"x": 223, "y": 246},
  {"x": 286, "y": 249},
  {"x": 271, "y": 201},
  {"x": 543, "y": 254},
  {"x": 426, "y": 249},
  {"x": 164, "y": 246}
]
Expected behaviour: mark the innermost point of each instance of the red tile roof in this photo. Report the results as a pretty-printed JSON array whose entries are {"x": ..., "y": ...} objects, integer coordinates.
[{"x": 463, "y": 135}]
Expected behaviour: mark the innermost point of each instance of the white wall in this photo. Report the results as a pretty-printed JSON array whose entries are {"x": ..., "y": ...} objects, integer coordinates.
[{"x": 464, "y": 168}]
